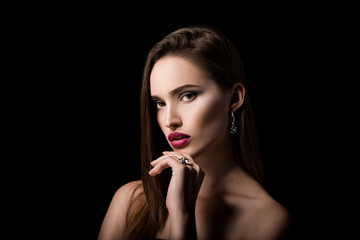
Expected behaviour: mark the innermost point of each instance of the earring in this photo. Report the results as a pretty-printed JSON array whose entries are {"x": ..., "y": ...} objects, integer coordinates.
[{"x": 233, "y": 128}]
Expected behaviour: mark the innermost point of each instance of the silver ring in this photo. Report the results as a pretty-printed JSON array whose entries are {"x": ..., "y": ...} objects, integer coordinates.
[{"x": 184, "y": 160}]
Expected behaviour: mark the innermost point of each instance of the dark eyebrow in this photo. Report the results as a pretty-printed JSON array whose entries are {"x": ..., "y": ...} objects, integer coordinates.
[
  {"x": 176, "y": 90},
  {"x": 179, "y": 89}
]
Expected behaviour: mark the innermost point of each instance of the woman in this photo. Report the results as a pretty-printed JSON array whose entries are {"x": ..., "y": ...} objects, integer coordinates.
[{"x": 209, "y": 184}]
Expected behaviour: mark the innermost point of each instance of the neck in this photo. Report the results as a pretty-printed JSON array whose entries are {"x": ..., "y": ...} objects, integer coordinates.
[{"x": 220, "y": 163}]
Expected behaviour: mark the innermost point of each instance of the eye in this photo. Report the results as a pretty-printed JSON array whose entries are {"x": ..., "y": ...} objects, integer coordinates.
[
  {"x": 188, "y": 96},
  {"x": 159, "y": 104}
]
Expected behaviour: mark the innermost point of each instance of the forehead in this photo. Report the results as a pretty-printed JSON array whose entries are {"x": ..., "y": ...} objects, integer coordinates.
[{"x": 171, "y": 72}]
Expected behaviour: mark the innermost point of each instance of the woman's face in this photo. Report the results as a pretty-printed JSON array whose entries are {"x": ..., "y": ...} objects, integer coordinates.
[{"x": 192, "y": 110}]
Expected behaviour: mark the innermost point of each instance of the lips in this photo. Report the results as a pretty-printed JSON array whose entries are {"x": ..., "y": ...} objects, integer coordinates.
[{"x": 178, "y": 139}]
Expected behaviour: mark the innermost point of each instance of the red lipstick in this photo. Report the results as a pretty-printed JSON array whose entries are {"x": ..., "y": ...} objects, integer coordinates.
[{"x": 178, "y": 139}]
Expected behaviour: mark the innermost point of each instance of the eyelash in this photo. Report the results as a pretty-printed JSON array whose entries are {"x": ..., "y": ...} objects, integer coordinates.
[
  {"x": 157, "y": 104},
  {"x": 193, "y": 95}
]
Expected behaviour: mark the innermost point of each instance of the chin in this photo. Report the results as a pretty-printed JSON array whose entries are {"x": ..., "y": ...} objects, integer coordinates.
[
  {"x": 195, "y": 150},
  {"x": 194, "y": 153},
  {"x": 186, "y": 150}
]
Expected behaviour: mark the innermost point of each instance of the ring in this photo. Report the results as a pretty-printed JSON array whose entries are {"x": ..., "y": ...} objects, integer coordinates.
[{"x": 184, "y": 160}]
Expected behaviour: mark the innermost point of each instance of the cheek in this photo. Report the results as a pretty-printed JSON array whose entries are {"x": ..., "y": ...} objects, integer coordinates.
[
  {"x": 160, "y": 116},
  {"x": 210, "y": 117}
]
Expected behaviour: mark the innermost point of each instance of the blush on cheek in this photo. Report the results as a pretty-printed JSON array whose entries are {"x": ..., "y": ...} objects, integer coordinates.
[
  {"x": 215, "y": 119},
  {"x": 213, "y": 110},
  {"x": 210, "y": 124}
]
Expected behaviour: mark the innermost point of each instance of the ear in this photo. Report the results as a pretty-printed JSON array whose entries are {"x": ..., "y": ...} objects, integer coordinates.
[{"x": 237, "y": 97}]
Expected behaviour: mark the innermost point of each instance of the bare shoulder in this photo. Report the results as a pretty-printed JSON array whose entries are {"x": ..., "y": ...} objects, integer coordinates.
[
  {"x": 114, "y": 222},
  {"x": 272, "y": 220},
  {"x": 127, "y": 191},
  {"x": 120, "y": 202}
]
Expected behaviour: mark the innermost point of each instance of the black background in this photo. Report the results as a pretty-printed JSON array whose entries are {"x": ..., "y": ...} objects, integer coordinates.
[{"x": 86, "y": 65}]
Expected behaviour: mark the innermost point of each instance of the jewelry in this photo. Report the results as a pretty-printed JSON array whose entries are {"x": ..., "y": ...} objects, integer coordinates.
[
  {"x": 184, "y": 160},
  {"x": 233, "y": 128}
]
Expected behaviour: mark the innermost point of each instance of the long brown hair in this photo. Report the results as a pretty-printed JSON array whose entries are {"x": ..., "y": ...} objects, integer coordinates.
[{"x": 209, "y": 49}]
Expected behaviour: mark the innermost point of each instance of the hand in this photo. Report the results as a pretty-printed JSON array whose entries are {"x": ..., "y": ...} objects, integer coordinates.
[{"x": 185, "y": 182}]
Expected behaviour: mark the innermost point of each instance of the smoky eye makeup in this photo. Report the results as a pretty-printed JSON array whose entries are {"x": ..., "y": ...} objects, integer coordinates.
[
  {"x": 188, "y": 96},
  {"x": 157, "y": 103},
  {"x": 186, "y": 93}
]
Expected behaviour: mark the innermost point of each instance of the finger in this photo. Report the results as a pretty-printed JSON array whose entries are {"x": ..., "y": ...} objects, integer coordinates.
[
  {"x": 167, "y": 152},
  {"x": 153, "y": 163},
  {"x": 169, "y": 161},
  {"x": 200, "y": 173},
  {"x": 180, "y": 156},
  {"x": 172, "y": 154},
  {"x": 187, "y": 158}
]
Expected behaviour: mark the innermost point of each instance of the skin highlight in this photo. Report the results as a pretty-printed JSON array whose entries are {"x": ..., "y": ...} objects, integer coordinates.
[
  {"x": 193, "y": 80},
  {"x": 203, "y": 115}
]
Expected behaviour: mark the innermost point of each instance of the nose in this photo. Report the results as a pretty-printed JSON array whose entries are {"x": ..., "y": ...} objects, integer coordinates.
[{"x": 172, "y": 118}]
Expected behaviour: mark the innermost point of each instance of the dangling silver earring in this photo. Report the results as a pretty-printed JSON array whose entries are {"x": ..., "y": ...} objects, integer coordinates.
[{"x": 233, "y": 128}]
